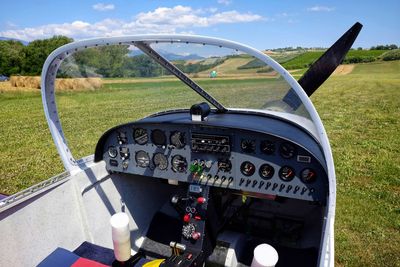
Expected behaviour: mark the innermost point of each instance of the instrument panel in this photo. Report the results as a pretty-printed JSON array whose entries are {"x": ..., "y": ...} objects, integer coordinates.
[{"x": 228, "y": 157}]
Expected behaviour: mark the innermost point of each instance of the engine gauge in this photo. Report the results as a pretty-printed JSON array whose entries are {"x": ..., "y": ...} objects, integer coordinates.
[
  {"x": 286, "y": 173},
  {"x": 158, "y": 137},
  {"x": 287, "y": 150},
  {"x": 224, "y": 165},
  {"x": 248, "y": 145},
  {"x": 179, "y": 163},
  {"x": 178, "y": 139},
  {"x": 160, "y": 161},
  {"x": 308, "y": 175},
  {"x": 266, "y": 171},
  {"x": 267, "y": 147},
  {"x": 112, "y": 152},
  {"x": 247, "y": 168},
  {"x": 142, "y": 159},
  {"x": 140, "y": 136}
]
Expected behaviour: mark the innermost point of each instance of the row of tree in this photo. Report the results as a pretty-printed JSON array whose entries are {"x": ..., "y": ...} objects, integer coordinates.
[
  {"x": 106, "y": 61},
  {"x": 16, "y": 58}
]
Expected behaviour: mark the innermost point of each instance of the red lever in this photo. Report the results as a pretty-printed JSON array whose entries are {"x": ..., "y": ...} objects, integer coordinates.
[
  {"x": 186, "y": 218},
  {"x": 201, "y": 200}
]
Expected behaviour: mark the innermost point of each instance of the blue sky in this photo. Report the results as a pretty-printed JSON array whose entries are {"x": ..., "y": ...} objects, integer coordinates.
[{"x": 262, "y": 24}]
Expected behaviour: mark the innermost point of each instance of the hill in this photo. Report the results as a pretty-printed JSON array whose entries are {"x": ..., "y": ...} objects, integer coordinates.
[{"x": 305, "y": 59}]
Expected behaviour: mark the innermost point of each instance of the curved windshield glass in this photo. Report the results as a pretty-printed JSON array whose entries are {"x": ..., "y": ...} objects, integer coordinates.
[{"x": 103, "y": 86}]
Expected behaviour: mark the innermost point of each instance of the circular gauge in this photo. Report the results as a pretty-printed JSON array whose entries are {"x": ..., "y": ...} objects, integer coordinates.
[
  {"x": 308, "y": 175},
  {"x": 267, "y": 147},
  {"x": 161, "y": 161},
  {"x": 112, "y": 152},
  {"x": 179, "y": 163},
  {"x": 125, "y": 164},
  {"x": 140, "y": 136},
  {"x": 142, "y": 159},
  {"x": 224, "y": 165},
  {"x": 247, "y": 168},
  {"x": 287, "y": 150},
  {"x": 158, "y": 137},
  {"x": 286, "y": 173},
  {"x": 178, "y": 139},
  {"x": 266, "y": 171},
  {"x": 248, "y": 145}
]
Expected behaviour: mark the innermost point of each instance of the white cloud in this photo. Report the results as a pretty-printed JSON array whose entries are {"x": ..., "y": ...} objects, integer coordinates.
[
  {"x": 320, "y": 9},
  {"x": 103, "y": 7},
  {"x": 224, "y": 2},
  {"x": 182, "y": 19}
]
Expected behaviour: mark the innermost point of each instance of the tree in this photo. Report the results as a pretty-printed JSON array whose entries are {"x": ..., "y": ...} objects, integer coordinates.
[
  {"x": 11, "y": 57},
  {"x": 106, "y": 61},
  {"x": 37, "y": 51}
]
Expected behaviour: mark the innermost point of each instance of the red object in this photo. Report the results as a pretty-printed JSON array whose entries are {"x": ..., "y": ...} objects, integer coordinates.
[
  {"x": 201, "y": 200},
  {"x": 197, "y": 217},
  {"x": 189, "y": 256},
  {"x": 82, "y": 262},
  {"x": 186, "y": 218},
  {"x": 196, "y": 235}
]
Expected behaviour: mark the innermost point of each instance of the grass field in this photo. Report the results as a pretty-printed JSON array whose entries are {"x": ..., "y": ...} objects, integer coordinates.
[{"x": 360, "y": 110}]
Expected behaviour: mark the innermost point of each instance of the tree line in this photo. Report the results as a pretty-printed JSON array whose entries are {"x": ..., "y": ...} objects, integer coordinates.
[
  {"x": 16, "y": 58},
  {"x": 104, "y": 61}
]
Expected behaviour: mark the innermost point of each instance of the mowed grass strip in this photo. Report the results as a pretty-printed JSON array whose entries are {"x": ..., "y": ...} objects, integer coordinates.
[{"x": 360, "y": 111}]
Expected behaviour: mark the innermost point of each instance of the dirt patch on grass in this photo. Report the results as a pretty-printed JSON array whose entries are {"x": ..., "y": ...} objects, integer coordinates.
[{"x": 344, "y": 69}]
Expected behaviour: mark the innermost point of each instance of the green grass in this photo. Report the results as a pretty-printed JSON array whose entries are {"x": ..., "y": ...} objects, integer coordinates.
[{"x": 361, "y": 113}]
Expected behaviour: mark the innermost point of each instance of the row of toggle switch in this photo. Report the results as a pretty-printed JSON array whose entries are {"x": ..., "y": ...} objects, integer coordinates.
[
  {"x": 275, "y": 186},
  {"x": 215, "y": 180}
]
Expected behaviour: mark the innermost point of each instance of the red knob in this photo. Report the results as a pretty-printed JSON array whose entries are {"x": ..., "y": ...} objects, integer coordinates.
[
  {"x": 196, "y": 235},
  {"x": 186, "y": 218},
  {"x": 201, "y": 200}
]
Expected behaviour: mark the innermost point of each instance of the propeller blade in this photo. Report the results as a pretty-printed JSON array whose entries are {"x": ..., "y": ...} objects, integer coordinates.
[{"x": 321, "y": 69}]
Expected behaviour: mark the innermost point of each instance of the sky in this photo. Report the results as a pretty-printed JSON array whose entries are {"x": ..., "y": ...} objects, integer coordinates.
[{"x": 262, "y": 24}]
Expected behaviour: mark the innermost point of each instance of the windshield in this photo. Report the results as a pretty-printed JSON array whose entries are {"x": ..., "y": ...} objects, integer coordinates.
[{"x": 126, "y": 82}]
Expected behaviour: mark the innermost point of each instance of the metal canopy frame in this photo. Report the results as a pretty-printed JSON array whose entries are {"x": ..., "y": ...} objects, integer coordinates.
[{"x": 54, "y": 60}]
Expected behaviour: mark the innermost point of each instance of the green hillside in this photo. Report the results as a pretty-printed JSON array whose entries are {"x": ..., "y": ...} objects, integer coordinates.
[{"x": 354, "y": 56}]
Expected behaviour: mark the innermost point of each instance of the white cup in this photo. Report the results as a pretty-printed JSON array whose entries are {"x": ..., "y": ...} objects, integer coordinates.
[
  {"x": 264, "y": 256},
  {"x": 121, "y": 236}
]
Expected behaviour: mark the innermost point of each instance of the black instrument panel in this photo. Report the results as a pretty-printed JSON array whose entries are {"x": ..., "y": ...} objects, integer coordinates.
[{"x": 227, "y": 157}]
